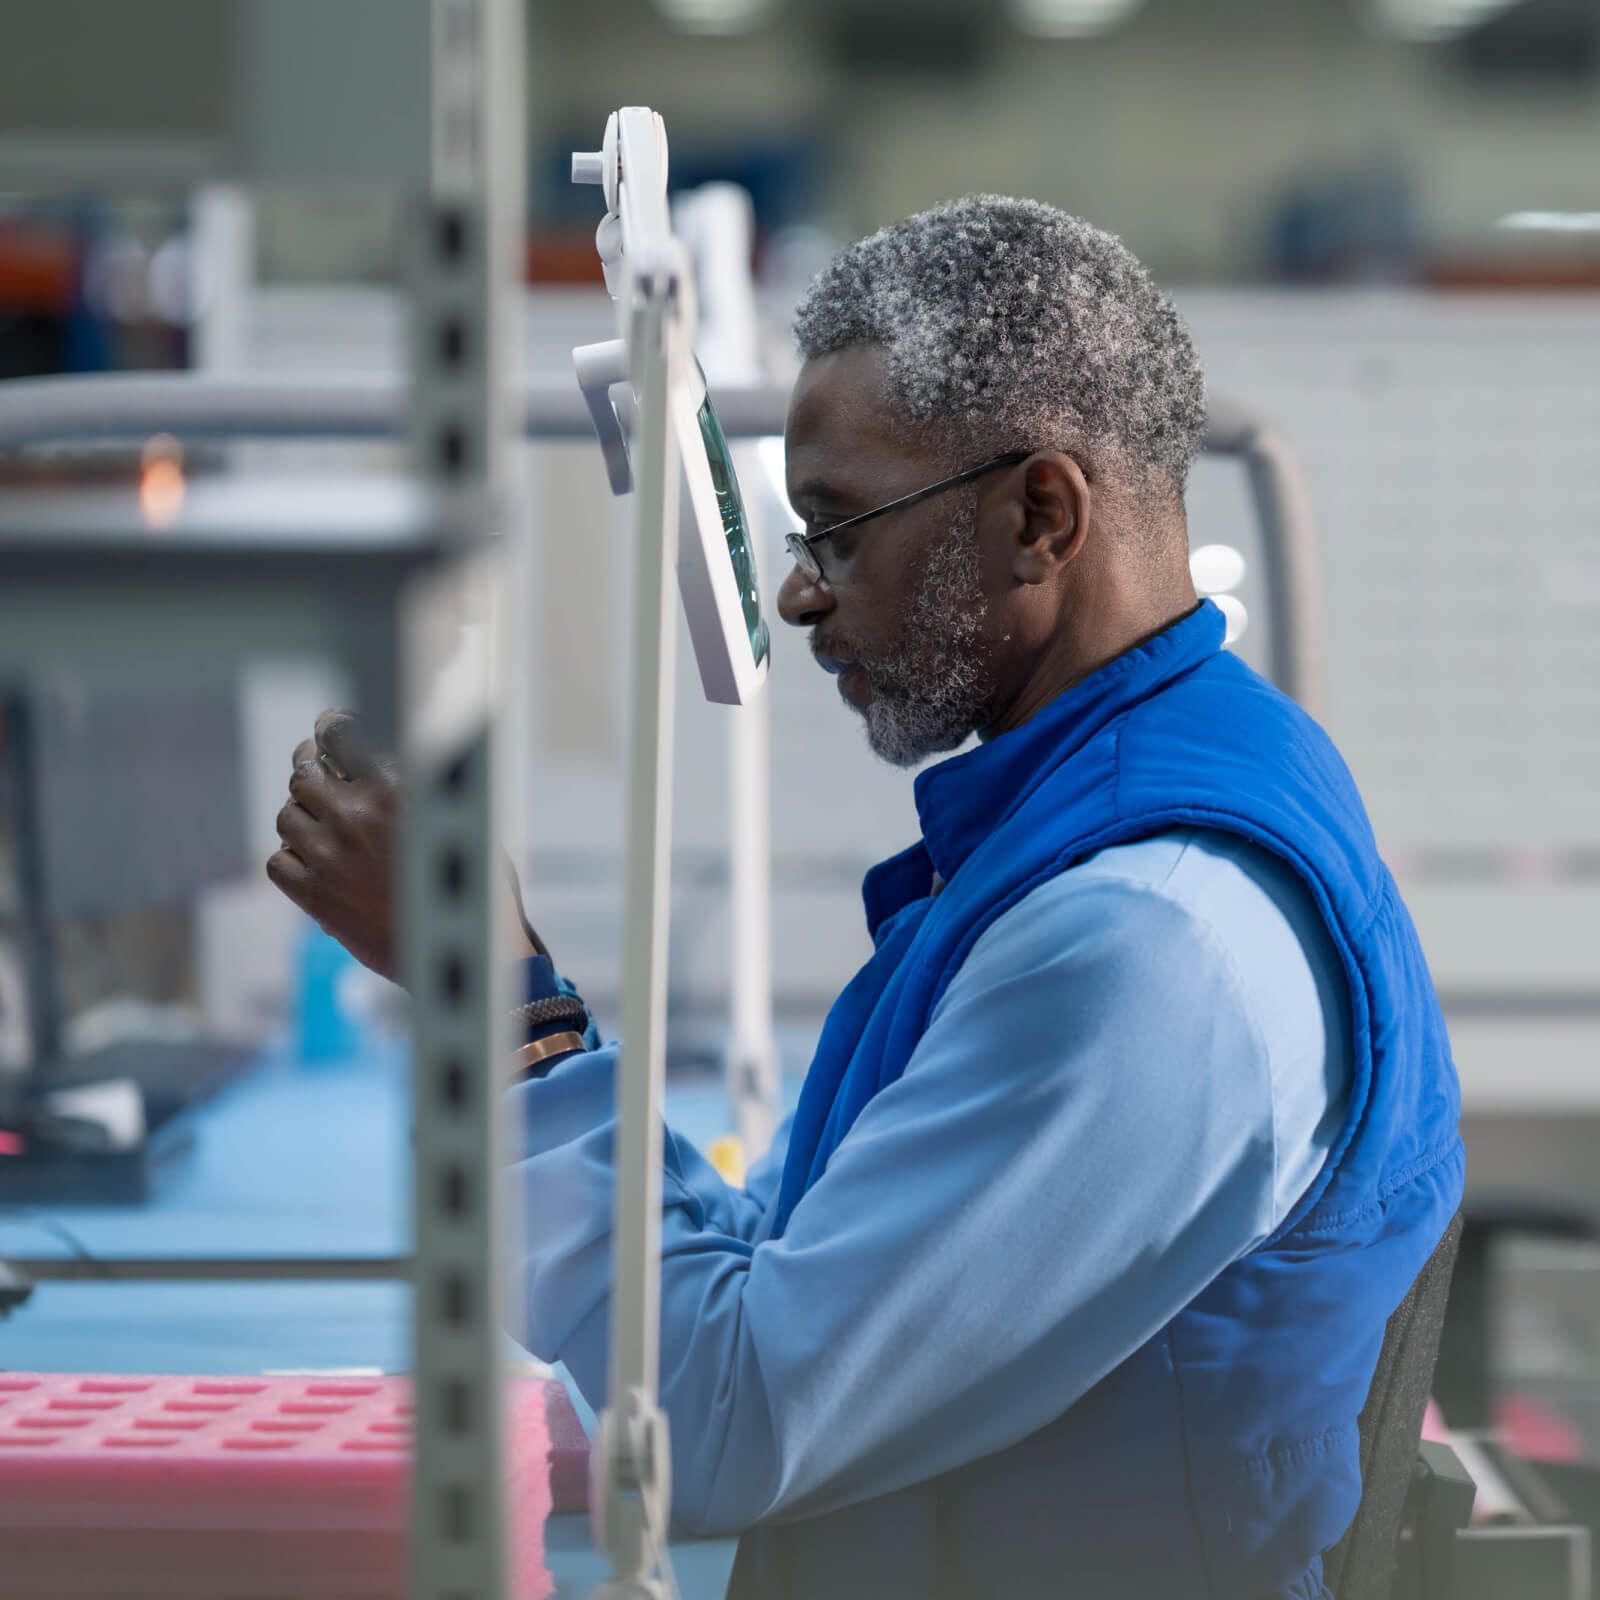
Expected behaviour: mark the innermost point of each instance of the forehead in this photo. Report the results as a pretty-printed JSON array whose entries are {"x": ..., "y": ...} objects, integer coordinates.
[{"x": 839, "y": 424}]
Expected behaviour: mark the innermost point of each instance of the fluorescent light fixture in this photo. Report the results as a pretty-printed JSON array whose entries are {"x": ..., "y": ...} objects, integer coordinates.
[
  {"x": 1070, "y": 19},
  {"x": 1426, "y": 20},
  {"x": 716, "y": 16},
  {"x": 1552, "y": 221}
]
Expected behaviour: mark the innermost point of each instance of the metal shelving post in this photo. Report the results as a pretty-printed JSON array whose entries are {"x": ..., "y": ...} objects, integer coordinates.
[{"x": 466, "y": 297}]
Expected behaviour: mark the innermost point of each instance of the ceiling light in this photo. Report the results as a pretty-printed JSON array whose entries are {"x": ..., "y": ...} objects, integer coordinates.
[
  {"x": 1552, "y": 221},
  {"x": 716, "y": 16},
  {"x": 1070, "y": 19},
  {"x": 1427, "y": 20}
]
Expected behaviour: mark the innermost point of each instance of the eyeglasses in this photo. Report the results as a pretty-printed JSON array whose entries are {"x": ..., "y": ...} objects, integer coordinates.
[{"x": 800, "y": 545}]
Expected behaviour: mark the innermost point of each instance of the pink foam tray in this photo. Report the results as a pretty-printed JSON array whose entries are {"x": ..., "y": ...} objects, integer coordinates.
[{"x": 246, "y": 1488}]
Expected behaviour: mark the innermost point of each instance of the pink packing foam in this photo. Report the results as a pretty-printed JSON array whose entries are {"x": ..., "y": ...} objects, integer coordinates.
[
  {"x": 1433, "y": 1423},
  {"x": 1527, "y": 1428},
  {"x": 227, "y": 1488}
]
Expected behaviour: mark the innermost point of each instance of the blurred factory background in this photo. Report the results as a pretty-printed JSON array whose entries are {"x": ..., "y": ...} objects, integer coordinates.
[{"x": 1381, "y": 218}]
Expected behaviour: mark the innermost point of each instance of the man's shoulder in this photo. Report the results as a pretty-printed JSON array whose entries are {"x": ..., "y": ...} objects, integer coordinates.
[
  {"x": 1212, "y": 873},
  {"x": 1205, "y": 872},
  {"x": 1218, "y": 902}
]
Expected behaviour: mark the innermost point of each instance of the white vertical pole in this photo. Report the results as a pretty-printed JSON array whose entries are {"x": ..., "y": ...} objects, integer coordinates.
[
  {"x": 751, "y": 1066},
  {"x": 633, "y": 1456},
  {"x": 225, "y": 277},
  {"x": 719, "y": 226}
]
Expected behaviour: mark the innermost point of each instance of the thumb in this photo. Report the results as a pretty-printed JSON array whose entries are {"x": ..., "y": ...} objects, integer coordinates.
[{"x": 343, "y": 745}]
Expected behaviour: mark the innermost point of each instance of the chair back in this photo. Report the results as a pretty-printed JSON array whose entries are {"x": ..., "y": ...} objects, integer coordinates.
[{"x": 1361, "y": 1566}]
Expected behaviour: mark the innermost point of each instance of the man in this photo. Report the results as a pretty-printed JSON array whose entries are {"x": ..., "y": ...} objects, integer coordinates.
[{"x": 1069, "y": 1274}]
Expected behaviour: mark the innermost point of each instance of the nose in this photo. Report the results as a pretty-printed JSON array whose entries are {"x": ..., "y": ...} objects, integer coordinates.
[{"x": 803, "y": 602}]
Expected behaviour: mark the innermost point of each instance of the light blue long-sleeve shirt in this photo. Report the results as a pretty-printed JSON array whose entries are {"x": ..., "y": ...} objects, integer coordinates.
[{"x": 1134, "y": 1075}]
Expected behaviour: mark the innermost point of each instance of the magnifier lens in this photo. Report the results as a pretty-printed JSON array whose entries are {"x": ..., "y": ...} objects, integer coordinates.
[{"x": 735, "y": 529}]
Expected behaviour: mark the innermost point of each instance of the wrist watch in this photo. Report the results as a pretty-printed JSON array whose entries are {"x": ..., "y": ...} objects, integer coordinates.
[{"x": 536, "y": 1057}]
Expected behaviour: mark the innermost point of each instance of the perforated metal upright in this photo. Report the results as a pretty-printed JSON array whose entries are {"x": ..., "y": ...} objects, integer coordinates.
[
  {"x": 466, "y": 287},
  {"x": 82, "y": 582}
]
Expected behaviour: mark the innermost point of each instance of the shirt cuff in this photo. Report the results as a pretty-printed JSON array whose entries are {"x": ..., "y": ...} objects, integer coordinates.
[{"x": 541, "y": 982}]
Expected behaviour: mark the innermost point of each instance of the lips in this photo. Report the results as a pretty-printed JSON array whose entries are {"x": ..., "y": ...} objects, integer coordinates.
[{"x": 834, "y": 664}]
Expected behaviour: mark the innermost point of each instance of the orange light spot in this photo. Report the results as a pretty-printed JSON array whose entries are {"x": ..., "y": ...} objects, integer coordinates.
[{"x": 161, "y": 482}]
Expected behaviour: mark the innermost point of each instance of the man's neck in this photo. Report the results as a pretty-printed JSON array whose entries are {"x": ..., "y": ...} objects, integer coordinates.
[{"x": 1113, "y": 626}]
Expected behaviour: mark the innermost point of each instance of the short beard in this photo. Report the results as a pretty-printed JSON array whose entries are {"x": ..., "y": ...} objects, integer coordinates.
[{"x": 934, "y": 686}]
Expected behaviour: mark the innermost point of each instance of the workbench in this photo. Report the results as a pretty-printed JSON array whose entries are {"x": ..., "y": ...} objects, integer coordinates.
[{"x": 293, "y": 1159}]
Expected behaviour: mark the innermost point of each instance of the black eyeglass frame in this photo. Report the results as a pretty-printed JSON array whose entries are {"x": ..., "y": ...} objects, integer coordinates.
[{"x": 799, "y": 544}]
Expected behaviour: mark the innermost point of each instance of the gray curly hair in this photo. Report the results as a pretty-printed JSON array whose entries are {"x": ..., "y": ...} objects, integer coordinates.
[{"x": 1015, "y": 324}]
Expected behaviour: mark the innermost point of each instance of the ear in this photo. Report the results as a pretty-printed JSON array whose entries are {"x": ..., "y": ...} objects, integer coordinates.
[{"x": 1056, "y": 507}]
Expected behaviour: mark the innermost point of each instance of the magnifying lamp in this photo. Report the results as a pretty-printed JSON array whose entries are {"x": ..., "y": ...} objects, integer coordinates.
[
  {"x": 676, "y": 439},
  {"x": 716, "y": 564}
]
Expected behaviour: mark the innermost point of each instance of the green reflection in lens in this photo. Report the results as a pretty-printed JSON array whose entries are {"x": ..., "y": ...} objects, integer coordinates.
[{"x": 734, "y": 528}]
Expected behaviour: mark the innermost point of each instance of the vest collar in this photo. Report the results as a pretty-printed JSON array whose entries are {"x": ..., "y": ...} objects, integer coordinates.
[{"x": 962, "y": 800}]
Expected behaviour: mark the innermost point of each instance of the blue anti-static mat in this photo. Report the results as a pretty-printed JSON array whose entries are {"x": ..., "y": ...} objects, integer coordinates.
[
  {"x": 290, "y": 1159},
  {"x": 286, "y": 1160}
]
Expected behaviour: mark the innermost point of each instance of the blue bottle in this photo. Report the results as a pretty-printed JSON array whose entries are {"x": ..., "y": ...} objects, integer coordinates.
[{"x": 325, "y": 1031}]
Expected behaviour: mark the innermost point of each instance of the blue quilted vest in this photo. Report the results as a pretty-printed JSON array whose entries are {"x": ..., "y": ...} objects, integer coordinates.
[{"x": 1220, "y": 1459}]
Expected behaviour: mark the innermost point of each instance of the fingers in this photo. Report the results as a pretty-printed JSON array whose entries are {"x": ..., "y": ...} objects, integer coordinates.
[
  {"x": 308, "y": 785},
  {"x": 308, "y": 758},
  {"x": 298, "y": 829},
  {"x": 342, "y": 740},
  {"x": 290, "y": 875}
]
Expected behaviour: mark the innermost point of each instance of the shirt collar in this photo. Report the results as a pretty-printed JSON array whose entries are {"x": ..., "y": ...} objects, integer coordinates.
[{"x": 961, "y": 801}]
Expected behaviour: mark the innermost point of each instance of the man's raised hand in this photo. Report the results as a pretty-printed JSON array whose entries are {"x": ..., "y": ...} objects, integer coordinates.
[{"x": 339, "y": 829}]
